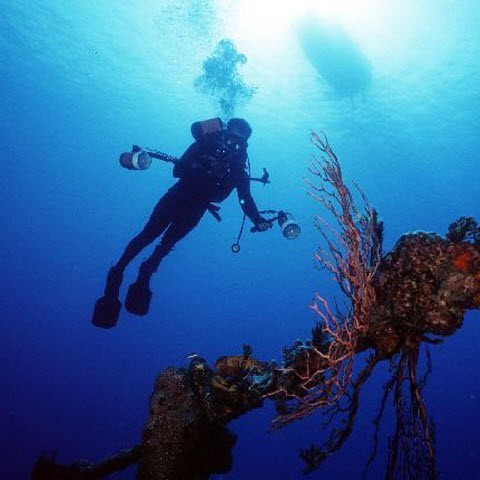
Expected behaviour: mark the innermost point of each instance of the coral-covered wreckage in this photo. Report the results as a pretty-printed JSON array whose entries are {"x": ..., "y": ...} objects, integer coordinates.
[{"x": 416, "y": 294}]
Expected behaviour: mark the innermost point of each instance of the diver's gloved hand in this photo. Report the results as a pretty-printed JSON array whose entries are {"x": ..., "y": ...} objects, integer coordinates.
[{"x": 261, "y": 225}]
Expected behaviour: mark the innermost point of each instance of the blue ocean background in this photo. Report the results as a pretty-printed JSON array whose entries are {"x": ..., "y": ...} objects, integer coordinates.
[{"x": 82, "y": 80}]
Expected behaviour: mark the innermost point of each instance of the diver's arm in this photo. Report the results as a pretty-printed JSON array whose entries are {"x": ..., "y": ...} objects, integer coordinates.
[
  {"x": 247, "y": 202},
  {"x": 184, "y": 166}
]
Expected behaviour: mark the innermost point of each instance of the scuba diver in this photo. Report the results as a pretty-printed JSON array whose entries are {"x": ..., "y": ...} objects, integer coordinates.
[{"x": 214, "y": 165}]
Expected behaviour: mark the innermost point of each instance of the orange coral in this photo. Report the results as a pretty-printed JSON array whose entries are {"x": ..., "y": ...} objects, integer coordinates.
[{"x": 462, "y": 261}]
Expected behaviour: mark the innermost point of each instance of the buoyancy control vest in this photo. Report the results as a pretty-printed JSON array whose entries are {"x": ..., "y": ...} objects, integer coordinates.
[{"x": 215, "y": 163}]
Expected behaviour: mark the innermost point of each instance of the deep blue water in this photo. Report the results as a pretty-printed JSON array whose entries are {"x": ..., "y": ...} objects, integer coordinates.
[{"x": 82, "y": 80}]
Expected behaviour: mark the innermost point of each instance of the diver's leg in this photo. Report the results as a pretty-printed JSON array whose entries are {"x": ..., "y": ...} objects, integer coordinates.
[
  {"x": 178, "y": 229},
  {"x": 157, "y": 223},
  {"x": 115, "y": 275},
  {"x": 159, "y": 220},
  {"x": 139, "y": 293},
  {"x": 107, "y": 308}
]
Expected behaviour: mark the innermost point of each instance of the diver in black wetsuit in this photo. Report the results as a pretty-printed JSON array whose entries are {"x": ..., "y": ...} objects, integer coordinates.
[{"x": 214, "y": 165}]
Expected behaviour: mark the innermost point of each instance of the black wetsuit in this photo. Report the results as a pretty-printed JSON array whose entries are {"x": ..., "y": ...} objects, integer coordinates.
[{"x": 208, "y": 171}]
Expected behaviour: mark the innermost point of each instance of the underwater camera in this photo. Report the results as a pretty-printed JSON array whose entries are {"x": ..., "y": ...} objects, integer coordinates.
[{"x": 139, "y": 158}]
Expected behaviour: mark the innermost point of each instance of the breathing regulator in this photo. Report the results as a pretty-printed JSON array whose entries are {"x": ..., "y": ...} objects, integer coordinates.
[{"x": 141, "y": 159}]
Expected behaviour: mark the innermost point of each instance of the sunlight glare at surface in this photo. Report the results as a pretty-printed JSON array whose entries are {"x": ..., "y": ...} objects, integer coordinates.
[{"x": 271, "y": 21}]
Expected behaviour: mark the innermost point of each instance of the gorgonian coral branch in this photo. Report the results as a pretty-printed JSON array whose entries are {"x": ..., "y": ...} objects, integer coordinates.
[
  {"x": 352, "y": 254},
  {"x": 353, "y": 245}
]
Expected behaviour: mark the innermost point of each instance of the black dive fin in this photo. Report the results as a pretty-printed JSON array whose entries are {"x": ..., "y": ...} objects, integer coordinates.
[
  {"x": 138, "y": 298},
  {"x": 106, "y": 312}
]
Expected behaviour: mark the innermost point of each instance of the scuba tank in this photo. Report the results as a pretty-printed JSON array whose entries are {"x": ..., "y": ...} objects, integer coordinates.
[{"x": 199, "y": 129}]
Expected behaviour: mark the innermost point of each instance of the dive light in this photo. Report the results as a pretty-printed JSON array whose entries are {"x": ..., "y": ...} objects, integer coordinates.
[
  {"x": 288, "y": 226},
  {"x": 141, "y": 158},
  {"x": 136, "y": 159}
]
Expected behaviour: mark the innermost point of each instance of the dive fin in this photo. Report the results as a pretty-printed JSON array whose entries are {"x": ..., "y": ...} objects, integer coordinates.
[
  {"x": 138, "y": 298},
  {"x": 106, "y": 312}
]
